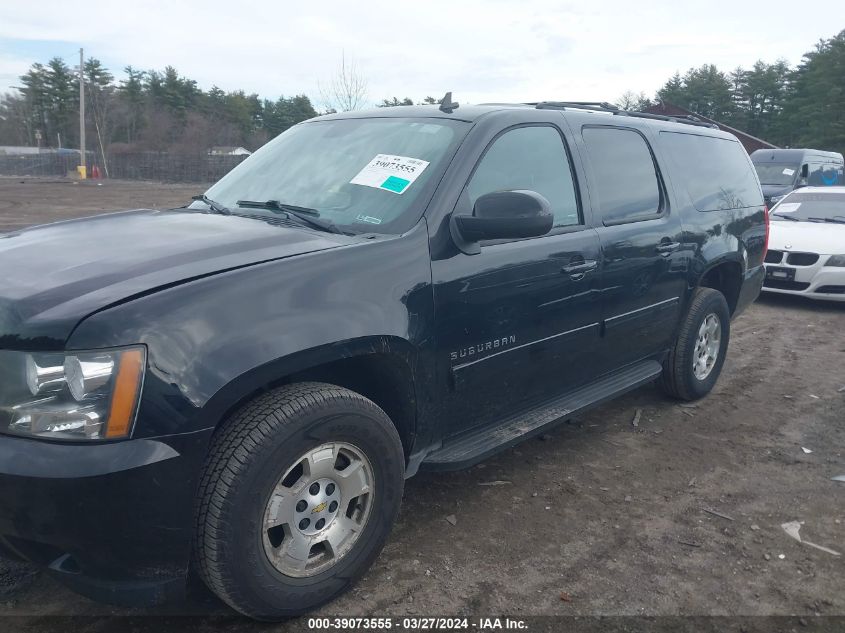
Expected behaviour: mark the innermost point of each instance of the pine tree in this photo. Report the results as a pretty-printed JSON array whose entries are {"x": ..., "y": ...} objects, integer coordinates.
[
  {"x": 100, "y": 92},
  {"x": 62, "y": 94},
  {"x": 132, "y": 91},
  {"x": 34, "y": 92},
  {"x": 815, "y": 108},
  {"x": 395, "y": 101},
  {"x": 673, "y": 91}
]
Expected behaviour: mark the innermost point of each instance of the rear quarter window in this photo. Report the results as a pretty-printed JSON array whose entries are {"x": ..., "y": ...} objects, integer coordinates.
[{"x": 715, "y": 172}]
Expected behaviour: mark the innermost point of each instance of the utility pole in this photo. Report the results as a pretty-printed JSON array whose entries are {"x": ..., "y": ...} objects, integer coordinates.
[{"x": 82, "y": 155}]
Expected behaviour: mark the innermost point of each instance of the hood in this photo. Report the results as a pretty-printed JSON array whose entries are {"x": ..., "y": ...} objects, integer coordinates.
[
  {"x": 807, "y": 237},
  {"x": 53, "y": 276},
  {"x": 776, "y": 190}
]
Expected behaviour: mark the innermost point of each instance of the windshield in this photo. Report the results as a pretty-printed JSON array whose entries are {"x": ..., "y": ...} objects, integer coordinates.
[
  {"x": 362, "y": 175},
  {"x": 776, "y": 173},
  {"x": 811, "y": 207}
]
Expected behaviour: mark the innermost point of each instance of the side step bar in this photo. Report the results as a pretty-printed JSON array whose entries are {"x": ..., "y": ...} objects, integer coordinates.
[{"x": 477, "y": 444}]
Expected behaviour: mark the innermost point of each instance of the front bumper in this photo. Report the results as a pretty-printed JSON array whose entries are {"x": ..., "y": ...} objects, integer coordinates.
[
  {"x": 112, "y": 521},
  {"x": 815, "y": 282}
]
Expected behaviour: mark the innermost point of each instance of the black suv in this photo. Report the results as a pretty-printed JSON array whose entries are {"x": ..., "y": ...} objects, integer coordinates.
[{"x": 240, "y": 387}]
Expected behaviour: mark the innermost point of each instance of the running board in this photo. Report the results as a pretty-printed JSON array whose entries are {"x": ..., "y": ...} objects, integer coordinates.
[{"x": 477, "y": 444}]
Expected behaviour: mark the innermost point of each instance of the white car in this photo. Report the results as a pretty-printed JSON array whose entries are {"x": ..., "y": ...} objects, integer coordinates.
[{"x": 806, "y": 254}]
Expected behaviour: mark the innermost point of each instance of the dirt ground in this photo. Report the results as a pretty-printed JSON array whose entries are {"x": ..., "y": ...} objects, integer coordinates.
[
  {"x": 679, "y": 516},
  {"x": 28, "y": 201}
]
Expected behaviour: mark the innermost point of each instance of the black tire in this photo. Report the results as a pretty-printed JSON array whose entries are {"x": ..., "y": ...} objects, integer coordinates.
[
  {"x": 679, "y": 379},
  {"x": 249, "y": 455}
]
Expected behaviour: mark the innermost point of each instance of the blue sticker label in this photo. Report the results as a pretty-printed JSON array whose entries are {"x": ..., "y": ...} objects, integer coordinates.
[{"x": 394, "y": 183}]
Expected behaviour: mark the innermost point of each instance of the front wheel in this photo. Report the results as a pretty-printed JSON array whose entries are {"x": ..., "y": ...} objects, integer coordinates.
[
  {"x": 297, "y": 499},
  {"x": 696, "y": 359}
]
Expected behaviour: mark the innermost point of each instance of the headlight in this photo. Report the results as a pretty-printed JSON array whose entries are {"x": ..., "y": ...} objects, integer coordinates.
[
  {"x": 71, "y": 395},
  {"x": 836, "y": 260}
]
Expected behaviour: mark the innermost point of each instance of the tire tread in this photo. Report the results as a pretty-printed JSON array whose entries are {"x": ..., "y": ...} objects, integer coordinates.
[
  {"x": 674, "y": 379},
  {"x": 242, "y": 434}
]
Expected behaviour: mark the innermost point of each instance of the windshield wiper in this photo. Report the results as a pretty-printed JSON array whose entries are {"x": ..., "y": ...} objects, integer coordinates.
[
  {"x": 305, "y": 215},
  {"x": 786, "y": 217},
  {"x": 836, "y": 219},
  {"x": 214, "y": 206}
]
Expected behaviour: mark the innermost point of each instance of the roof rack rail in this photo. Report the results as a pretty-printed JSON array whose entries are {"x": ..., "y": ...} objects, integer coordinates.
[
  {"x": 689, "y": 120},
  {"x": 603, "y": 106},
  {"x": 576, "y": 105}
]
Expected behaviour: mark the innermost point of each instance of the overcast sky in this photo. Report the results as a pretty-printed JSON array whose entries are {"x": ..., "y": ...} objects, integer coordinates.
[{"x": 482, "y": 51}]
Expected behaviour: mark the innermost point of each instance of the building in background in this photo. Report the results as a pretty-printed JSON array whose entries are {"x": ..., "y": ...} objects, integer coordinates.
[
  {"x": 228, "y": 150},
  {"x": 17, "y": 150},
  {"x": 751, "y": 143}
]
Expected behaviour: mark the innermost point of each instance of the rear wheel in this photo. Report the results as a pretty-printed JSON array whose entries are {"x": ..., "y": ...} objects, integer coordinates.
[
  {"x": 696, "y": 359},
  {"x": 297, "y": 499}
]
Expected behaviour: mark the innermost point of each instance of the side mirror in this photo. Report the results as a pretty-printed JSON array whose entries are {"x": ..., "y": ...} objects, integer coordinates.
[
  {"x": 505, "y": 215},
  {"x": 805, "y": 170}
]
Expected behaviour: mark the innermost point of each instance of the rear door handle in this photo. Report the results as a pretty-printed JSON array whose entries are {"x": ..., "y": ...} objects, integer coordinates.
[
  {"x": 578, "y": 270},
  {"x": 668, "y": 247}
]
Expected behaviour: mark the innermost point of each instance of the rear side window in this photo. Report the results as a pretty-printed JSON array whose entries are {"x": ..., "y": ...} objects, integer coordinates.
[
  {"x": 823, "y": 174},
  {"x": 624, "y": 176},
  {"x": 715, "y": 171}
]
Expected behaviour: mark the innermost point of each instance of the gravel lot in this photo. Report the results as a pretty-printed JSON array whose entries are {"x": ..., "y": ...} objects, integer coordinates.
[{"x": 598, "y": 517}]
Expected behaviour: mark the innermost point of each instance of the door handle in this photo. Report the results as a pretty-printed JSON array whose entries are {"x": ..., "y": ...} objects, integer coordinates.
[
  {"x": 664, "y": 248},
  {"x": 578, "y": 270}
]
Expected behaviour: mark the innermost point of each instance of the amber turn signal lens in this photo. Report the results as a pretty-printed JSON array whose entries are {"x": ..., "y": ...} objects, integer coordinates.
[{"x": 126, "y": 388}]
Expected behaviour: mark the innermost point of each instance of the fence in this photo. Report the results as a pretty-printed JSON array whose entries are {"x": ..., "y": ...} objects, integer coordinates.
[
  {"x": 46, "y": 164},
  {"x": 155, "y": 166},
  {"x": 164, "y": 167}
]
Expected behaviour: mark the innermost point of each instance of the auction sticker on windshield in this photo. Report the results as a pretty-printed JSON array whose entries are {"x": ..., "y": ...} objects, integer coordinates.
[
  {"x": 391, "y": 173},
  {"x": 788, "y": 207}
]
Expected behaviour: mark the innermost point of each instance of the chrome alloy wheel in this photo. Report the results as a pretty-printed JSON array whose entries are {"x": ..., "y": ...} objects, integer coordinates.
[
  {"x": 318, "y": 509},
  {"x": 707, "y": 346}
]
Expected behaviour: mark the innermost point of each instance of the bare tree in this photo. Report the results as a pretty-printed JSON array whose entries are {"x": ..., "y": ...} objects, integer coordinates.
[
  {"x": 347, "y": 89},
  {"x": 633, "y": 101},
  {"x": 627, "y": 100}
]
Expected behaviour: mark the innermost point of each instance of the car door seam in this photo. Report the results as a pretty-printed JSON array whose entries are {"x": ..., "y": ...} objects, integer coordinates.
[{"x": 643, "y": 309}]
